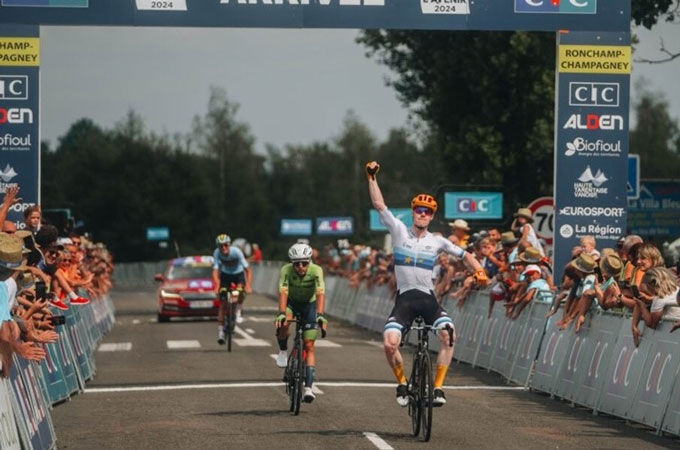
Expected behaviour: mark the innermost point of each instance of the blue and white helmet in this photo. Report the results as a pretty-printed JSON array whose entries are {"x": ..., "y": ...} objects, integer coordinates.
[{"x": 300, "y": 252}]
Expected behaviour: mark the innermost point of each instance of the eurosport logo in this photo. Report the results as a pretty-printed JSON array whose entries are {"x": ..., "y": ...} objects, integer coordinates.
[
  {"x": 11, "y": 142},
  {"x": 445, "y": 6},
  {"x": 589, "y": 185},
  {"x": 13, "y": 87},
  {"x": 16, "y": 115},
  {"x": 584, "y": 147},
  {"x": 604, "y": 122},
  {"x": 307, "y": 2},
  {"x": 594, "y": 94},
  {"x": 556, "y": 6},
  {"x": 595, "y": 211}
]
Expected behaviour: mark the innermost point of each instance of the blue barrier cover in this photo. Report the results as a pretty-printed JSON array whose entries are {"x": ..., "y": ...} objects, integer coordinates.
[
  {"x": 553, "y": 351},
  {"x": 529, "y": 344},
  {"x": 9, "y": 435},
  {"x": 52, "y": 372}
]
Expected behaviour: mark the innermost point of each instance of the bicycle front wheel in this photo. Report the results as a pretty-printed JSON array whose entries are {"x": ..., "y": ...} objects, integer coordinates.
[
  {"x": 300, "y": 378},
  {"x": 230, "y": 325},
  {"x": 414, "y": 406},
  {"x": 292, "y": 371},
  {"x": 426, "y": 396}
]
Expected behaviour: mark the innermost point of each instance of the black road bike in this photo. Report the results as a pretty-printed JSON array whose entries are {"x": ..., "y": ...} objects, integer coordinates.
[
  {"x": 294, "y": 374},
  {"x": 230, "y": 298},
  {"x": 420, "y": 384}
]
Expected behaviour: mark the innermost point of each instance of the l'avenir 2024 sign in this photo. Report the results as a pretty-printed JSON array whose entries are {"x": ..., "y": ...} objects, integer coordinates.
[{"x": 538, "y": 15}]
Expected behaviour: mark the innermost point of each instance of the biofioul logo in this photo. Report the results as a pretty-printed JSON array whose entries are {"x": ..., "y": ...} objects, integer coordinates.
[
  {"x": 9, "y": 140},
  {"x": 566, "y": 231},
  {"x": 581, "y": 145}
]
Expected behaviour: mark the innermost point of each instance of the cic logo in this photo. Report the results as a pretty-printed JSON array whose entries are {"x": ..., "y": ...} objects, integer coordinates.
[{"x": 556, "y": 6}]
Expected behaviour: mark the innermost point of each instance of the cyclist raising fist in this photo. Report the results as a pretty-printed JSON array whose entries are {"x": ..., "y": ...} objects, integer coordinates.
[
  {"x": 415, "y": 252},
  {"x": 301, "y": 294}
]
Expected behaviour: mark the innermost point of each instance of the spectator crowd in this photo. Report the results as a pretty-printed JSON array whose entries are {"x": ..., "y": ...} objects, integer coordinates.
[
  {"x": 41, "y": 274},
  {"x": 630, "y": 278}
]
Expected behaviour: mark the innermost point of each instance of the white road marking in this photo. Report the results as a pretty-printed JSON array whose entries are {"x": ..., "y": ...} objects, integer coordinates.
[
  {"x": 136, "y": 322},
  {"x": 326, "y": 343},
  {"x": 259, "y": 319},
  {"x": 173, "y": 345},
  {"x": 116, "y": 347},
  {"x": 249, "y": 341},
  {"x": 250, "y": 330},
  {"x": 274, "y": 355},
  {"x": 316, "y": 390},
  {"x": 377, "y": 441},
  {"x": 174, "y": 387},
  {"x": 261, "y": 308},
  {"x": 375, "y": 343}
]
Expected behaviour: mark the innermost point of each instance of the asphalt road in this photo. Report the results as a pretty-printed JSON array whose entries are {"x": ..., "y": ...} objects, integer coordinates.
[{"x": 171, "y": 386}]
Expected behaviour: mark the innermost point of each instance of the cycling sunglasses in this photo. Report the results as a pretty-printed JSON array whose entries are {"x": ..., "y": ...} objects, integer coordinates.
[
  {"x": 301, "y": 263},
  {"x": 423, "y": 210}
]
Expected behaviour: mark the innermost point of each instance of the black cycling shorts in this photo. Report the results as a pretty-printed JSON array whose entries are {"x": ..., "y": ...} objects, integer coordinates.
[
  {"x": 227, "y": 278},
  {"x": 306, "y": 312},
  {"x": 414, "y": 303}
]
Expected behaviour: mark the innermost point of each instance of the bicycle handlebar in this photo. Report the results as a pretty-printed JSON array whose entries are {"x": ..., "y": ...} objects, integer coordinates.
[{"x": 323, "y": 332}]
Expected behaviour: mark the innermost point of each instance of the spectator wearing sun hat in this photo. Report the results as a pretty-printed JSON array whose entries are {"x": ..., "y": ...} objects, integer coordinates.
[
  {"x": 607, "y": 293},
  {"x": 523, "y": 224},
  {"x": 580, "y": 302},
  {"x": 537, "y": 288},
  {"x": 459, "y": 233}
]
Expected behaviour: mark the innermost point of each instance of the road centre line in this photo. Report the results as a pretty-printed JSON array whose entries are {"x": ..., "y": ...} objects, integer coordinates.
[
  {"x": 176, "y": 387},
  {"x": 377, "y": 441},
  {"x": 183, "y": 344},
  {"x": 115, "y": 347}
]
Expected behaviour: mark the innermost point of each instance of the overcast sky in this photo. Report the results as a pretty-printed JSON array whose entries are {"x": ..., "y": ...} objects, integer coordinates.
[{"x": 294, "y": 86}]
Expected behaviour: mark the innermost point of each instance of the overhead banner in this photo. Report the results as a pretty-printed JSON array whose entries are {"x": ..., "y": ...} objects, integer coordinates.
[
  {"x": 656, "y": 213},
  {"x": 537, "y": 15},
  {"x": 296, "y": 227},
  {"x": 334, "y": 226},
  {"x": 403, "y": 214},
  {"x": 473, "y": 205},
  {"x": 591, "y": 140},
  {"x": 20, "y": 116}
]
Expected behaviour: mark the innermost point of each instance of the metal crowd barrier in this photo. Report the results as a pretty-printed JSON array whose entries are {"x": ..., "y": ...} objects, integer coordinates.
[
  {"x": 27, "y": 396},
  {"x": 598, "y": 368}
]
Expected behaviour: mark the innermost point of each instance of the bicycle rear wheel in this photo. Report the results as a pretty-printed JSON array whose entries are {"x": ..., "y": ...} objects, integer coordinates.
[
  {"x": 426, "y": 396},
  {"x": 414, "y": 404}
]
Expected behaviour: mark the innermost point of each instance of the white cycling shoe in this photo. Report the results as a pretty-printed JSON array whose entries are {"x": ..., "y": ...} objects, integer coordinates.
[
  {"x": 282, "y": 359},
  {"x": 239, "y": 317},
  {"x": 309, "y": 395}
]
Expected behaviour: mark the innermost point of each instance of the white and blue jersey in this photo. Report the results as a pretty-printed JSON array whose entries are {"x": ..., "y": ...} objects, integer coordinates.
[
  {"x": 232, "y": 263},
  {"x": 414, "y": 258}
]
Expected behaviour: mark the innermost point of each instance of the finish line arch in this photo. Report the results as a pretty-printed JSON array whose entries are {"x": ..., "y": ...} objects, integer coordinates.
[{"x": 592, "y": 94}]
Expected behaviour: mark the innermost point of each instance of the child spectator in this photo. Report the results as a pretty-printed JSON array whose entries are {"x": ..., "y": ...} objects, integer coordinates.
[
  {"x": 523, "y": 225},
  {"x": 660, "y": 285}
]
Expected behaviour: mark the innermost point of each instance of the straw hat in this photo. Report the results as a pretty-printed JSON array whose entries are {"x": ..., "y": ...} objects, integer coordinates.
[
  {"x": 11, "y": 252},
  {"x": 460, "y": 224},
  {"x": 508, "y": 238},
  {"x": 584, "y": 263},
  {"x": 531, "y": 255},
  {"x": 608, "y": 251},
  {"x": 526, "y": 213},
  {"x": 611, "y": 264}
]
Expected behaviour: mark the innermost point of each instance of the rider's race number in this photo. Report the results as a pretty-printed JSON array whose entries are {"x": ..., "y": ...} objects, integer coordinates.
[{"x": 160, "y": 5}]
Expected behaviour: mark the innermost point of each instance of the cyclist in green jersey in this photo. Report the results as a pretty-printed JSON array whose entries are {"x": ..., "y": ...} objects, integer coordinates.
[{"x": 301, "y": 293}]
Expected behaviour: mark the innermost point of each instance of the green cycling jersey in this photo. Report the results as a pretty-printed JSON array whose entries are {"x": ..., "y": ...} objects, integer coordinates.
[{"x": 301, "y": 289}]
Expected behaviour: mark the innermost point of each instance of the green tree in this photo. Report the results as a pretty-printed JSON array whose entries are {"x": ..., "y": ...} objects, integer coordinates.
[{"x": 656, "y": 137}]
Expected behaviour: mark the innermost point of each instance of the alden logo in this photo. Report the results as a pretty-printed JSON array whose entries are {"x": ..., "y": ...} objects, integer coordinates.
[{"x": 556, "y": 6}]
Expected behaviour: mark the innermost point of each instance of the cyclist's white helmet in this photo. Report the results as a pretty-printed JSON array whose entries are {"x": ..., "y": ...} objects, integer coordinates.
[
  {"x": 300, "y": 252},
  {"x": 223, "y": 239}
]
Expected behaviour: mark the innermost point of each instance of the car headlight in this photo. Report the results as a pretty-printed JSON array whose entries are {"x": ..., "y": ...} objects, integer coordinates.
[{"x": 169, "y": 294}]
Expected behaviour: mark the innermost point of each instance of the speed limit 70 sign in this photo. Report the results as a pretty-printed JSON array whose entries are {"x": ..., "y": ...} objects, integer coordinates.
[{"x": 543, "y": 212}]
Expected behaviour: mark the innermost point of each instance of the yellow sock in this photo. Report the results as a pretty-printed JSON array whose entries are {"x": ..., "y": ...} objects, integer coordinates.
[
  {"x": 399, "y": 373},
  {"x": 439, "y": 377}
]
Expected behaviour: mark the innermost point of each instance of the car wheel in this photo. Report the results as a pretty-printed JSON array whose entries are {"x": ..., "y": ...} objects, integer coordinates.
[{"x": 163, "y": 319}]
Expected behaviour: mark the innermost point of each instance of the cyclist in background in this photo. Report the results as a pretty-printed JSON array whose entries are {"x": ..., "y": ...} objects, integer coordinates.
[
  {"x": 415, "y": 252},
  {"x": 301, "y": 293},
  {"x": 229, "y": 266}
]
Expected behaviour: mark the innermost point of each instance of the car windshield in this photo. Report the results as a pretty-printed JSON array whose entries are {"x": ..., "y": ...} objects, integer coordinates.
[{"x": 177, "y": 272}]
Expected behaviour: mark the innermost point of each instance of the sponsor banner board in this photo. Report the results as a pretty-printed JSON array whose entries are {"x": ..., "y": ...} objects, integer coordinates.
[
  {"x": 473, "y": 205},
  {"x": 591, "y": 141},
  {"x": 296, "y": 227},
  {"x": 157, "y": 233},
  {"x": 403, "y": 214},
  {"x": 20, "y": 117},
  {"x": 633, "y": 187},
  {"x": 334, "y": 226},
  {"x": 657, "y": 211},
  {"x": 537, "y": 15}
]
